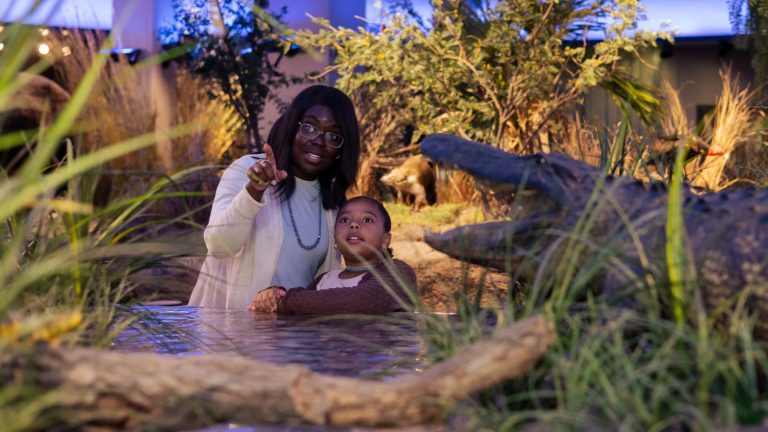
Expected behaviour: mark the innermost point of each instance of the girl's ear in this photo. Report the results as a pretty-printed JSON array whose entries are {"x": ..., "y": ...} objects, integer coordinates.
[{"x": 386, "y": 240}]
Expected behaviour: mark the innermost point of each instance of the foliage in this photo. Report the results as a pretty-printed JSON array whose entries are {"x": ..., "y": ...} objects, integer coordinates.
[
  {"x": 618, "y": 370},
  {"x": 504, "y": 73},
  {"x": 64, "y": 264},
  {"x": 229, "y": 45}
]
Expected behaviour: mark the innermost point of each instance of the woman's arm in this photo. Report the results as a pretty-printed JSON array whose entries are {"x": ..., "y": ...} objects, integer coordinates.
[
  {"x": 370, "y": 296},
  {"x": 232, "y": 212}
]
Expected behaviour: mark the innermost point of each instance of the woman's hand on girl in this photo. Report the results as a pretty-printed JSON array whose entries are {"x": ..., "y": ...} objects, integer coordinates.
[
  {"x": 266, "y": 300},
  {"x": 264, "y": 173}
]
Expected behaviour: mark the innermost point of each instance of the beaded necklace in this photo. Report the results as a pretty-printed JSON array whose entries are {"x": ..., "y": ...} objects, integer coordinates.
[
  {"x": 319, "y": 225},
  {"x": 358, "y": 268}
]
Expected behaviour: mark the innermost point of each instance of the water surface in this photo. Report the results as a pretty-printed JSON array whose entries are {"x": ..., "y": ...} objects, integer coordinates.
[{"x": 365, "y": 347}]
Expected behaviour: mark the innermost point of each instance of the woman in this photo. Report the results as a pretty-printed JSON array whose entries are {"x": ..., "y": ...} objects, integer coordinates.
[{"x": 273, "y": 214}]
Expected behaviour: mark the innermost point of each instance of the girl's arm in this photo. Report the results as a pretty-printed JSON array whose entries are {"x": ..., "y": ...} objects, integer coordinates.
[
  {"x": 266, "y": 299},
  {"x": 232, "y": 212},
  {"x": 370, "y": 296}
]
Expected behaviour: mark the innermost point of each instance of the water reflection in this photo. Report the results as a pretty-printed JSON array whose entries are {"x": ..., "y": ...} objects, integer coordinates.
[{"x": 366, "y": 347}]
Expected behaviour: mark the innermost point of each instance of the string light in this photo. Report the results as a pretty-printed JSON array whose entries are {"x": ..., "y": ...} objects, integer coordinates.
[
  {"x": 65, "y": 51},
  {"x": 2, "y": 45},
  {"x": 43, "y": 49}
]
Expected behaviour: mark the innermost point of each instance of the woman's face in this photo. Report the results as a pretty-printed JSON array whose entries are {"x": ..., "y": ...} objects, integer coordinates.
[
  {"x": 359, "y": 233},
  {"x": 311, "y": 157}
]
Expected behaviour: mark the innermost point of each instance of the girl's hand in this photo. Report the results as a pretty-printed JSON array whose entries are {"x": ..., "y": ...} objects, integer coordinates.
[
  {"x": 266, "y": 300},
  {"x": 264, "y": 173}
]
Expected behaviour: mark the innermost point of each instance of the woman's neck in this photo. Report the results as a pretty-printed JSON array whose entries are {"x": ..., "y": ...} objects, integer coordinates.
[
  {"x": 300, "y": 180},
  {"x": 304, "y": 176}
]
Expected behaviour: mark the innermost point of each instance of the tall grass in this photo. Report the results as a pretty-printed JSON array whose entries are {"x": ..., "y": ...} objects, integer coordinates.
[
  {"x": 615, "y": 366},
  {"x": 674, "y": 122},
  {"x": 65, "y": 263},
  {"x": 57, "y": 249},
  {"x": 675, "y": 244},
  {"x": 618, "y": 370},
  {"x": 118, "y": 108}
]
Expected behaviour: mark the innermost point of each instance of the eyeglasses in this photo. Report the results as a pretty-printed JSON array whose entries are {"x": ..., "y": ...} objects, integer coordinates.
[{"x": 310, "y": 132}]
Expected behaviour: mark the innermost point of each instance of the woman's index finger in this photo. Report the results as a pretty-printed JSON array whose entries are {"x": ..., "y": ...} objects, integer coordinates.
[
  {"x": 270, "y": 154},
  {"x": 271, "y": 158}
]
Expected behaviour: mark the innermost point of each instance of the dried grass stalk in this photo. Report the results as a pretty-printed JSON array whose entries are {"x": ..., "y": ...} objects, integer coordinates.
[
  {"x": 674, "y": 122},
  {"x": 581, "y": 140},
  {"x": 732, "y": 125},
  {"x": 116, "y": 110},
  {"x": 749, "y": 162},
  {"x": 119, "y": 109},
  {"x": 219, "y": 125}
]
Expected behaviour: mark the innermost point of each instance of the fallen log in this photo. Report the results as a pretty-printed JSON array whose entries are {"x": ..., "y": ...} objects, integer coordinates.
[{"x": 103, "y": 389}]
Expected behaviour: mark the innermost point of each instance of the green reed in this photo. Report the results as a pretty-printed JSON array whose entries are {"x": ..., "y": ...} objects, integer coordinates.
[
  {"x": 614, "y": 368},
  {"x": 65, "y": 264},
  {"x": 675, "y": 244}
]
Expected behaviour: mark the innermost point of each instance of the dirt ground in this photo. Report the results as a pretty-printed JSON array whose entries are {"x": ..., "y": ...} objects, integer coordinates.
[{"x": 441, "y": 279}]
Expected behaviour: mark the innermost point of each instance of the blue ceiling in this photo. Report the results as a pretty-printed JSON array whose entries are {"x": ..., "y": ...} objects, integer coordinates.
[{"x": 691, "y": 18}]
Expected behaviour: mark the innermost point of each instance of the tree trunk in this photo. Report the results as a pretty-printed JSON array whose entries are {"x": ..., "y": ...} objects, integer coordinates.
[{"x": 145, "y": 391}]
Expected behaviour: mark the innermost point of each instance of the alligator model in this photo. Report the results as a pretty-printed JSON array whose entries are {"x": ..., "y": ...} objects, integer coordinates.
[{"x": 561, "y": 206}]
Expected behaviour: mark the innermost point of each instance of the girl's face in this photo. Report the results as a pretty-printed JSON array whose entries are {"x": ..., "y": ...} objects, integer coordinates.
[
  {"x": 359, "y": 233},
  {"x": 311, "y": 157}
]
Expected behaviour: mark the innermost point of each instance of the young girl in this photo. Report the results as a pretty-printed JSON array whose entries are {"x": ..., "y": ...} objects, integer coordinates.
[{"x": 370, "y": 282}]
